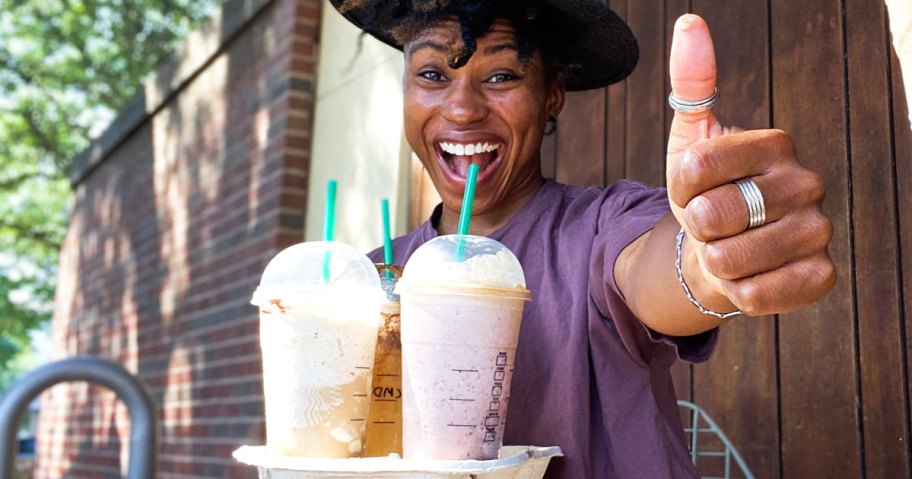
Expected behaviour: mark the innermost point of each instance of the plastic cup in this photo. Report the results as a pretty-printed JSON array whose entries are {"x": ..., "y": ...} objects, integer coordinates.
[
  {"x": 384, "y": 423},
  {"x": 460, "y": 327},
  {"x": 318, "y": 340}
]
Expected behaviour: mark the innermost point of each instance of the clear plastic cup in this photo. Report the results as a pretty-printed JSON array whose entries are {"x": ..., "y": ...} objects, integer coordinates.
[
  {"x": 318, "y": 335},
  {"x": 384, "y": 423},
  {"x": 461, "y": 315}
]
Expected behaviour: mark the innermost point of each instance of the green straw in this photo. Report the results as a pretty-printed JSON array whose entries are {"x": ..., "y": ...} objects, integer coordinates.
[
  {"x": 387, "y": 239},
  {"x": 465, "y": 216},
  {"x": 329, "y": 225}
]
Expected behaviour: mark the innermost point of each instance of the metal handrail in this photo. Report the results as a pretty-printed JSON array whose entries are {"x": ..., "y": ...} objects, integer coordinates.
[
  {"x": 695, "y": 430},
  {"x": 144, "y": 426}
]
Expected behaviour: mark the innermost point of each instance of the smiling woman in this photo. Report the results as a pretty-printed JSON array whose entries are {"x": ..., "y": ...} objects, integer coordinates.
[
  {"x": 496, "y": 101},
  {"x": 624, "y": 279}
]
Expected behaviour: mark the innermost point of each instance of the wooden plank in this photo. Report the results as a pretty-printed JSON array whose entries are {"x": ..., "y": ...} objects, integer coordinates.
[
  {"x": 644, "y": 115},
  {"x": 747, "y": 410},
  {"x": 581, "y": 139},
  {"x": 616, "y": 132},
  {"x": 817, "y": 368},
  {"x": 883, "y": 395},
  {"x": 423, "y": 196},
  {"x": 673, "y": 10},
  {"x": 549, "y": 155},
  {"x": 416, "y": 183},
  {"x": 646, "y": 105},
  {"x": 616, "y": 121},
  {"x": 682, "y": 373},
  {"x": 902, "y": 151}
]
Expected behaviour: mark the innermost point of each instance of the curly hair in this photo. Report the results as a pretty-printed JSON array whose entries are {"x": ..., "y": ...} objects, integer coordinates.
[{"x": 537, "y": 25}]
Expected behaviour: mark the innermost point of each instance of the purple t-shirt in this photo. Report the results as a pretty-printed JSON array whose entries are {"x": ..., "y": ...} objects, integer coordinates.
[{"x": 589, "y": 376}]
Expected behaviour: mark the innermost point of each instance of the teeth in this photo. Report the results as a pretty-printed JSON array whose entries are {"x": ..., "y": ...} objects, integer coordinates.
[{"x": 461, "y": 150}]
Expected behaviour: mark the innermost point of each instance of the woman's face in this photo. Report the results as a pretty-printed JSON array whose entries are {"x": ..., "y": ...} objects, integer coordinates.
[{"x": 491, "y": 112}]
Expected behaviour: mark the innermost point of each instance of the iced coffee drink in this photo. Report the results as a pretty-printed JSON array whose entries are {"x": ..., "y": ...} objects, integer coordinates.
[
  {"x": 384, "y": 424},
  {"x": 318, "y": 331},
  {"x": 460, "y": 326}
]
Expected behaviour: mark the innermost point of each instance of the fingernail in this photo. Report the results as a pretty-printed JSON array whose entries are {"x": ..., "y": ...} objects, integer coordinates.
[{"x": 685, "y": 21}]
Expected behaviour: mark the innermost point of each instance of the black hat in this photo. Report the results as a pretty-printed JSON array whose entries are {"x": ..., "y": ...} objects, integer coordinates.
[{"x": 601, "y": 49}]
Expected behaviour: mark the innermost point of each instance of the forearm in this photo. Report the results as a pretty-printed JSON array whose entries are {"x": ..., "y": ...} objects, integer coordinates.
[{"x": 645, "y": 274}]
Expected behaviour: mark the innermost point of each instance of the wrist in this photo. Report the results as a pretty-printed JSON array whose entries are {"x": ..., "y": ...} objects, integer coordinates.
[{"x": 697, "y": 284}]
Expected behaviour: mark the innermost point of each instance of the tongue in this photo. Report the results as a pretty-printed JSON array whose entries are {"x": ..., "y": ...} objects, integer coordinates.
[{"x": 460, "y": 163}]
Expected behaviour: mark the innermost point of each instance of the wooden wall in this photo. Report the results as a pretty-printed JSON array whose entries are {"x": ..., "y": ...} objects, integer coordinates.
[{"x": 823, "y": 392}]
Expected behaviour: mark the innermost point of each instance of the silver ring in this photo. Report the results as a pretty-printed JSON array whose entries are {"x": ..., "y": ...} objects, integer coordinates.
[
  {"x": 754, "y": 199},
  {"x": 699, "y": 106}
]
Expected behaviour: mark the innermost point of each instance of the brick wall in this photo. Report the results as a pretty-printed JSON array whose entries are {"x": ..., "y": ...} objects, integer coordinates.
[{"x": 178, "y": 207}]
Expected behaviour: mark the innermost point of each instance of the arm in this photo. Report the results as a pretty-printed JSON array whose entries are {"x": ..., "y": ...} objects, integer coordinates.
[
  {"x": 778, "y": 267},
  {"x": 645, "y": 274}
]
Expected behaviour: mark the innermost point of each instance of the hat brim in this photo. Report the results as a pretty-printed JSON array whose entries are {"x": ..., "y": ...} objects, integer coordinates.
[{"x": 602, "y": 50}]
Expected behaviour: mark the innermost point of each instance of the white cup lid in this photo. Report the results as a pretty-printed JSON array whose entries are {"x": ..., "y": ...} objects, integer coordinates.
[
  {"x": 484, "y": 263},
  {"x": 299, "y": 269}
]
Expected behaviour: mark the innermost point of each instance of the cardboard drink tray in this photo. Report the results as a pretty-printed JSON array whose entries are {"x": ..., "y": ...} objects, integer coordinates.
[{"x": 515, "y": 462}]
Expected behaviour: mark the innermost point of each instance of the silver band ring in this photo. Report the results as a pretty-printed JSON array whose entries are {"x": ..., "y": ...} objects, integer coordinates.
[
  {"x": 684, "y": 106},
  {"x": 755, "y": 206}
]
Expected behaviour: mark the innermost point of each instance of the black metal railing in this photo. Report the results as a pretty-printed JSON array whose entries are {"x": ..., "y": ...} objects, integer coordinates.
[{"x": 144, "y": 426}]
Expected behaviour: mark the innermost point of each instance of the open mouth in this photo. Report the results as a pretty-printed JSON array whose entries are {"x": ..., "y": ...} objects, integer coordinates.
[{"x": 457, "y": 156}]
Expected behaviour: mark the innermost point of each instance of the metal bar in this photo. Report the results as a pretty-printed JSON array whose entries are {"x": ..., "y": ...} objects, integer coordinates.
[
  {"x": 698, "y": 411},
  {"x": 695, "y": 423},
  {"x": 144, "y": 426}
]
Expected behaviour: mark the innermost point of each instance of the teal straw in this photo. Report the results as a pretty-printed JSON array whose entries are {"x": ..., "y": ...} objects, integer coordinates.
[
  {"x": 465, "y": 216},
  {"x": 387, "y": 239},
  {"x": 329, "y": 225}
]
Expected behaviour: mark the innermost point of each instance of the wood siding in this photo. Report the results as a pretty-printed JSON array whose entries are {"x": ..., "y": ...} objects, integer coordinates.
[{"x": 823, "y": 392}]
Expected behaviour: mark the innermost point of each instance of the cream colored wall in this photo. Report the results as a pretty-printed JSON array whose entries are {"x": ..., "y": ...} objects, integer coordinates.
[
  {"x": 901, "y": 30},
  {"x": 358, "y": 138}
]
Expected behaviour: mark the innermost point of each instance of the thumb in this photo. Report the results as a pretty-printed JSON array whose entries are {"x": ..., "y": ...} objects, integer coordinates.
[{"x": 692, "y": 68}]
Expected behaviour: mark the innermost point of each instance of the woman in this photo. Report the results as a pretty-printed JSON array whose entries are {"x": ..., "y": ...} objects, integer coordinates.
[{"x": 624, "y": 279}]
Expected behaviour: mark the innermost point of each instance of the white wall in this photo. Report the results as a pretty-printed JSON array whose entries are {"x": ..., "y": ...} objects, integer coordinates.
[
  {"x": 358, "y": 138},
  {"x": 901, "y": 29}
]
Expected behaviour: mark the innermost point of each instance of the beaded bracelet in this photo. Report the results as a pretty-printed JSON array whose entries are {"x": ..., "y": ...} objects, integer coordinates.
[{"x": 679, "y": 241}]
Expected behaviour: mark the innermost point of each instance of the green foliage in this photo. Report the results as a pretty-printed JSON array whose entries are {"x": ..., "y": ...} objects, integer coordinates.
[{"x": 66, "y": 67}]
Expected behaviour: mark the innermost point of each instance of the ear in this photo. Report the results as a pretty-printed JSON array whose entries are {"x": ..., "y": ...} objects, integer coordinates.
[{"x": 555, "y": 100}]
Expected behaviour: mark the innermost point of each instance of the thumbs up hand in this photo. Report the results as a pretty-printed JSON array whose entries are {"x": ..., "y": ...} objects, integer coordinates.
[{"x": 778, "y": 266}]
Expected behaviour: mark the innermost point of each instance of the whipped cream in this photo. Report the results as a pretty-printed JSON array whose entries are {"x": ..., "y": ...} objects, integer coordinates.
[{"x": 487, "y": 263}]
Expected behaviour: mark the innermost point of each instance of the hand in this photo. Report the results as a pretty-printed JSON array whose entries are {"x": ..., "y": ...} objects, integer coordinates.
[{"x": 778, "y": 267}]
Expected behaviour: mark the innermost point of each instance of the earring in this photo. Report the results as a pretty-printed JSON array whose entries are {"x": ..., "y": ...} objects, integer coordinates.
[{"x": 551, "y": 125}]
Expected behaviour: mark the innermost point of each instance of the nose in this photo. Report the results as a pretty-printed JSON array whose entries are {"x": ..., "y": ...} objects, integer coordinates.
[{"x": 466, "y": 103}]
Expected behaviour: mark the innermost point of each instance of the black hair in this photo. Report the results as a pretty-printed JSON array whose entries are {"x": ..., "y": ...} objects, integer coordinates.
[{"x": 537, "y": 25}]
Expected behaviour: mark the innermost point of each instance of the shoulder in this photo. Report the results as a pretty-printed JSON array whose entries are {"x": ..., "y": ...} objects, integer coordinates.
[{"x": 606, "y": 202}]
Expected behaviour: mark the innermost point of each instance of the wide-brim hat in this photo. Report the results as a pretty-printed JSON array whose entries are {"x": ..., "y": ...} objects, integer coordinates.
[{"x": 602, "y": 50}]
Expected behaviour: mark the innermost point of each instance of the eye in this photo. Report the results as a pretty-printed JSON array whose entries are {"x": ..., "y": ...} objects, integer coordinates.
[
  {"x": 502, "y": 78},
  {"x": 431, "y": 75}
]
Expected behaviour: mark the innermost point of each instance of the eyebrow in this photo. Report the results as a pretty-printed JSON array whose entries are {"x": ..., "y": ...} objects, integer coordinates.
[
  {"x": 438, "y": 47},
  {"x": 441, "y": 48},
  {"x": 500, "y": 47}
]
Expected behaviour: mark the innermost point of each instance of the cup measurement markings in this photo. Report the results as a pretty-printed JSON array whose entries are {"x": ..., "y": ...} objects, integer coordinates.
[{"x": 493, "y": 418}]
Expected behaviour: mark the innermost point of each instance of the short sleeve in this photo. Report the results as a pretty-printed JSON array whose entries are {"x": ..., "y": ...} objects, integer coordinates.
[{"x": 630, "y": 209}]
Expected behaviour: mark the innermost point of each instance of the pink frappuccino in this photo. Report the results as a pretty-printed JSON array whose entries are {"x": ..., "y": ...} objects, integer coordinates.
[{"x": 460, "y": 325}]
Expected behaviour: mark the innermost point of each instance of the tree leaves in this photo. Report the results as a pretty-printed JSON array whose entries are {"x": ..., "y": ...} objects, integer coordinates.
[{"x": 66, "y": 67}]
